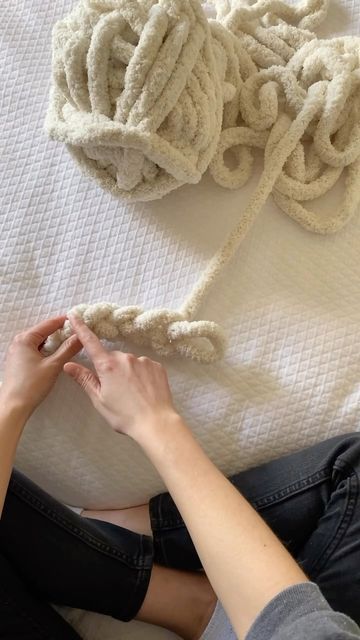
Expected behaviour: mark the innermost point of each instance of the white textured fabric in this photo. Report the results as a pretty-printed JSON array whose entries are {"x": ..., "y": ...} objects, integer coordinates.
[
  {"x": 149, "y": 94},
  {"x": 290, "y": 302}
]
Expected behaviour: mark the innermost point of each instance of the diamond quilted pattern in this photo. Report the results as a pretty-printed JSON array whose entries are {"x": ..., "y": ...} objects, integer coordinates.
[{"x": 289, "y": 301}]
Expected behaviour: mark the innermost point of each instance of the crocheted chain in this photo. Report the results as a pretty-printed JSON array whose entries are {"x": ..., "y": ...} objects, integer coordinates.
[
  {"x": 165, "y": 331},
  {"x": 148, "y": 95}
]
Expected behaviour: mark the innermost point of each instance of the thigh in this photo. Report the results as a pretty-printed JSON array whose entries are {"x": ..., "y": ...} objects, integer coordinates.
[
  {"x": 71, "y": 560},
  {"x": 24, "y": 615},
  {"x": 290, "y": 493},
  {"x": 310, "y": 499},
  {"x": 331, "y": 555}
]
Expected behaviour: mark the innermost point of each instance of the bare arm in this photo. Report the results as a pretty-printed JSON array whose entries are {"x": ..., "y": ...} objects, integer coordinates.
[
  {"x": 28, "y": 378},
  {"x": 12, "y": 423},
  {"x": 244, "y": 561}
]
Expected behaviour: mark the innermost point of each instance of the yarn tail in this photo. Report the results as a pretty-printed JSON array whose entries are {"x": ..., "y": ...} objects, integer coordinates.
[{"x": 278, "y": 158}]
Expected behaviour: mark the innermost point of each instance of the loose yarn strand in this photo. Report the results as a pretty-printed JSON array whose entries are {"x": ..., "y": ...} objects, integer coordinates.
[
  {"x": 275, "y": 162},
  {"x": 149, "y": 94}
]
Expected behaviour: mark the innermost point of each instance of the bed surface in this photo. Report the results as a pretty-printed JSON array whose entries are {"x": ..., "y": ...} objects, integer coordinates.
[{"x": 289, "y": 302}]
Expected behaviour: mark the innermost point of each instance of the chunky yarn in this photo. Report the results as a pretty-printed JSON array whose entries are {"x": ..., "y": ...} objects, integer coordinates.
[{"x": 149, "y": 94}]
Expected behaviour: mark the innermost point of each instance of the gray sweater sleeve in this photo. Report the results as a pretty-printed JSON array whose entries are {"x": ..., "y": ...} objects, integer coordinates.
[{"x": 302, "y": 613}]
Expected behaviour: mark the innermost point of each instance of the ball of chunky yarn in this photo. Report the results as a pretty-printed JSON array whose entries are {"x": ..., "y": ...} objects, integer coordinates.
[{"x": 137, "y": 93}]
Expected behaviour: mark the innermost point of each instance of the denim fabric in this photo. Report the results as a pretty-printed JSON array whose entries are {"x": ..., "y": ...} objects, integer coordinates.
[
  {"x": 50, "y": 554},
  {"x": 310, "y": 499},
  {"x": 23, "y": 615}
]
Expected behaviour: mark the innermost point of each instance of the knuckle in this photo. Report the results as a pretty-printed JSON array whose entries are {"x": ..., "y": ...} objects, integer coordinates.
[
  {"x": 88, "y": 341},
  {"x": 59, "y": 353},
  {"x": 106, "y": 364},
  {"x": 19, "y": 338},
  {"x": 130, "y": 358}
]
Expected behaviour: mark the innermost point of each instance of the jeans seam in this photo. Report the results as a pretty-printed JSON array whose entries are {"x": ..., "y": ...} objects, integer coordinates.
[
  {"x": 160, "y": 538},
  {"x": 161, "y": 523},
  {"x": 153, "y": 506},
  {"x": 66, "y": 524},
  {"x": 292, "y": 489},
  {"x": 351, "y": 501},
  {"x": 158, "y": 522},
  {"x": 158, "y": 528},
  {"x": 140, "y": 576}
]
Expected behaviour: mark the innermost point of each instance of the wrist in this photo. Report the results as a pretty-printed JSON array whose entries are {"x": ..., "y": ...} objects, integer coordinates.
[
  {"x": 156, "y": 429},
  {"x": 13, "y": 409}
]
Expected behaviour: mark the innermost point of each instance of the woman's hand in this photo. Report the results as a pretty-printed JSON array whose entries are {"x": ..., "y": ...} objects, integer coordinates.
[
  {"x": 127, "y": 391},
  {"x": 29, "y": 375}
]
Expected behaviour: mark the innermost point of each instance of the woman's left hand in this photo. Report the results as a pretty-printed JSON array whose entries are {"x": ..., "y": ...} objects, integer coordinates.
[{"x": 29, "y": 375}]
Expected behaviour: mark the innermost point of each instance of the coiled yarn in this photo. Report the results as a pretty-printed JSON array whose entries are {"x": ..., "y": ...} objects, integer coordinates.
[{"x": 149, "y": 94}]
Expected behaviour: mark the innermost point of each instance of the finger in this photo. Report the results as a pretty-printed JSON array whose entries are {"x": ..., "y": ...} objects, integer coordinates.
[
  {"x": 67, "y": 350},
  {"x": 89, "y": 340},
  {"x": 42, "y": 330},
  {"x": 84, "y": 377}
]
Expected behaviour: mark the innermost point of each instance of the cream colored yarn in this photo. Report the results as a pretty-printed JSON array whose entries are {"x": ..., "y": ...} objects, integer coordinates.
[{"x": 149, "y": 95}]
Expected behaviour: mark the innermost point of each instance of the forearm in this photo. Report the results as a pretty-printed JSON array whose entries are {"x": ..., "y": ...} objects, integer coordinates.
[
  {"x": 12, "y": 423},
  {"x": 244, "y": 561}
]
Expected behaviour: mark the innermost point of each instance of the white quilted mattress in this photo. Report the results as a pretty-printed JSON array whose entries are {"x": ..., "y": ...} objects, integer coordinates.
[{"x": 289, "y": 302}]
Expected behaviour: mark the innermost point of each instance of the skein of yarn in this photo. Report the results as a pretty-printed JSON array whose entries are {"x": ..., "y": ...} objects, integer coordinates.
[{"x": 150, "y": 94}]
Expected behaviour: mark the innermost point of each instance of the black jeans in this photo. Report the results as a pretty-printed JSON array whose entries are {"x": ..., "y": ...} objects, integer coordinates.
[{"x": 310, "y": 499}]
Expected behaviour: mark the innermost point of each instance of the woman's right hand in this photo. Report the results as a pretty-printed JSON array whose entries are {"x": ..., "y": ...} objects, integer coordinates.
[{"x": 129, "y": 392}]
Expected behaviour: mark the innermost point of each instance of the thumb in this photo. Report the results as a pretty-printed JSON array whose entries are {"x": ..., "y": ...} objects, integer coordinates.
[{"x": 84, "y": 377}]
